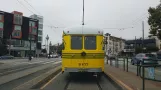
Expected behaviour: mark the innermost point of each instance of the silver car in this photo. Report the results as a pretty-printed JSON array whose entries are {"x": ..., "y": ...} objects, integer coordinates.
[{"x": 148, "y": 59}]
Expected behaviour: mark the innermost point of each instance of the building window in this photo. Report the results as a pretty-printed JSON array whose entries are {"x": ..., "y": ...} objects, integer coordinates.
[
  {"x": 16, "y": 32},
  {"x": 17, "y": 28},
  {"x": 1, "y": 18},
  {"x": 39, "y": 38},
  {"x": 76, "y": 42},
  {"x": 34, "y": 31},
  {"x": 39, "y": 32},
  {"x": 90, "y": 42},
  {"x": 1, "y": 25},
  {"x": 32, "y": 24},
  {"x": 32, "y": 37},
  {"x": 17, "y": 18},
  {"x": 40, "y": 26},
  {"x": 40, "y": 20}
]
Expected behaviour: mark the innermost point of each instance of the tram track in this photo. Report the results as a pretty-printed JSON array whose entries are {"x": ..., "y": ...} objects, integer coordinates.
[
  {"x": 81, "y": 82},
  {"x": 70, "y": 81},
  {"x": 12, "y": 85},
  {"x": 20, "y": 68}
]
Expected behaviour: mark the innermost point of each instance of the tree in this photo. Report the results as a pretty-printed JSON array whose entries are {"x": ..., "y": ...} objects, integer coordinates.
[
  {"x": 138, "y": 50},
  {"x": 152, "y": 49},
  {"x": 60, "y": 48},
  {"x": 154, "y": 21},
  {"x": 44, "y": 50}
]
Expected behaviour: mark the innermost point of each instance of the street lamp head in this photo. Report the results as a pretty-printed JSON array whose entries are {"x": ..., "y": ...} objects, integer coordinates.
[{"x": 47, "y": 37}]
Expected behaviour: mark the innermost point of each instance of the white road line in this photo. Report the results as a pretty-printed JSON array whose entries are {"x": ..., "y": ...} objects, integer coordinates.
[
  {"x": 50, "y": 81},
  {"x": 49, "y": 62},
  {"x": 57, "y": 62}
]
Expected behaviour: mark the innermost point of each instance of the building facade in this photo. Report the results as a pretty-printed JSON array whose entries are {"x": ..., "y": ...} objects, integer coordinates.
[
  {"x": 114, "y": 45},
  {"x": 18, "y": 30},
  {"x": 147, "y": 45},
  {"x": 40, "y": 31}
]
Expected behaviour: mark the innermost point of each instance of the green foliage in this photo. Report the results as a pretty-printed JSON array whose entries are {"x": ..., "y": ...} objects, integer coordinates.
[
  {"x": 57, "y": 48},
  {"x": 60, "y": 48},
  {"x": 44, "y": 51},
  {"x": 138, "y": 50},
  {"x": 154, "y": 21},
  {"x": 152, "y": 49}
]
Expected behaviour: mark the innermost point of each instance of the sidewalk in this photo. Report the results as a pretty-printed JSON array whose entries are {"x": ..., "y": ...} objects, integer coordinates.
[{"x": 129, "y": 80}]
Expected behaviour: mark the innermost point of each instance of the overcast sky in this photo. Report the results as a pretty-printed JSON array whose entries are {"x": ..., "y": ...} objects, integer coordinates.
[{"x": 98, "y": 13}]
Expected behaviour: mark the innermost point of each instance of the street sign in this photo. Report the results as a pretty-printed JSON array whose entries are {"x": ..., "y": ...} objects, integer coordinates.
[{"x": 151, "y": 72}]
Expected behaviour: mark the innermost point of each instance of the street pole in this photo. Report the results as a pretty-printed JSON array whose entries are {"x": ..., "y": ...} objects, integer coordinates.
[
  {"x": 135, "y": 45},
  {"x": 143, "y": 36},
  {"x": 30, "y": 43},
  {"x": 47, "y": 38},
  {"x": 106, "y": 49},
  {"x": 10, "y": 45}
]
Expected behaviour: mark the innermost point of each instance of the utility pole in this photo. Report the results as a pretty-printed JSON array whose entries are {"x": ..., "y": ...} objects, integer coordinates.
[
  {"x": 135, "y": 45},
  {"x": 30, "y": 43},
  {"x": 47, "y": 38},
  {"x": 143, "y": 36},
  {"x": 83, "y": 14},
  {"x": 10, "y": 45}
]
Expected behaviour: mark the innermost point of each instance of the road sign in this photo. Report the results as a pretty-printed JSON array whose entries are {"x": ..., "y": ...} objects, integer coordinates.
[{"x": 151, "y": 72}]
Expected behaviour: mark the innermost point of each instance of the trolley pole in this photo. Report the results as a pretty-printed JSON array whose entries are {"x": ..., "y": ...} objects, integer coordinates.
[
  {"x": 142, "y": 36},
  {"x": 83, "y": 14}
]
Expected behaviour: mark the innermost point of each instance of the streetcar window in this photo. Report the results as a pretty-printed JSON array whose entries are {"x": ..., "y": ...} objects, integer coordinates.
[
  {"x": 76, "y": 42},
  {"x": 90, "y": 42}
]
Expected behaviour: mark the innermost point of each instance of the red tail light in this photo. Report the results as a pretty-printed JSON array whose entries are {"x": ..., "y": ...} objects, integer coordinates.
[{"x": 145, "y": 57}]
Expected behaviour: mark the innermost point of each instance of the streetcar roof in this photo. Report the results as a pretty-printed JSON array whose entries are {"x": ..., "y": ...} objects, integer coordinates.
[{"x": 83, "y": 30}]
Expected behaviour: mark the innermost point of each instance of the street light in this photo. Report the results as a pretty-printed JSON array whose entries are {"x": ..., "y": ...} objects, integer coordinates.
[{"x": 47, "y": 38}]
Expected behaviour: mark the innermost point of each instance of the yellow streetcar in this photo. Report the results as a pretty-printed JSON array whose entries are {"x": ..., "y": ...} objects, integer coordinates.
[{"x": 83, "y": 50}]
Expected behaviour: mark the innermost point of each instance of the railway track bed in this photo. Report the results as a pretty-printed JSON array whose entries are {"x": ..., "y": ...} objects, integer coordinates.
[{"x": 81, "y": 82}]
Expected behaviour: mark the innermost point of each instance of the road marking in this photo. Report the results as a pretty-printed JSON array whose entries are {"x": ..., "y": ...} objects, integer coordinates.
[
  {"x": 48, "y": 62},
  {"x": 32, "y": 80},
  {"x": 50, "y": 81},
  {"x": 119, "y": 81},
  {"x": 57, "y": 62}
]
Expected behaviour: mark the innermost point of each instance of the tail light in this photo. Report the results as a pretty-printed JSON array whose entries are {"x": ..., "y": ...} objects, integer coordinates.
[{"x": 145, "y": 57}]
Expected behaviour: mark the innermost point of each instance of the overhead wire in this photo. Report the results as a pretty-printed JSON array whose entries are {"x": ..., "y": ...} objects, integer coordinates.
[
  {"x": 24, "y": 6},
  {"x": 40, "y": 14},
  {"x": 33, "y": 12}
]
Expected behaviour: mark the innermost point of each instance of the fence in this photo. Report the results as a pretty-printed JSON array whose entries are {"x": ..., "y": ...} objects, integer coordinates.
[{"x": 149, "y": 69}]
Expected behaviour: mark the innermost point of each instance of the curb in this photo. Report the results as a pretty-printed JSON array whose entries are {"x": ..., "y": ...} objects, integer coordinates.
[
  {"x": 46, "y": 79},
  {"x": 39, "y": 81},
  {"x": 120, "y": 83}
]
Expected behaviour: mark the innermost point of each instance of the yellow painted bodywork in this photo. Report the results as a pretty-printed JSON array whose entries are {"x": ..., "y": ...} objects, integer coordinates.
[{"x": 73, "y": 59}]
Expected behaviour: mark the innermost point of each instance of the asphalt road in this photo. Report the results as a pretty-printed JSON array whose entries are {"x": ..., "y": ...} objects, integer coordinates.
[
  {"x": 16, "y": 73},
  {"x": 80, "y": 82}
]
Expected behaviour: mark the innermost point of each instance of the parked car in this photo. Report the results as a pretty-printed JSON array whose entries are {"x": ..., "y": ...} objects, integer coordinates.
[
  {"x": 111, "y": 57},
  {"x": 7, "y": 57},
  {"x": 149, "y": 59},
  {"x": 51, "y": 56},
  {"x": 55, "y": 56}
]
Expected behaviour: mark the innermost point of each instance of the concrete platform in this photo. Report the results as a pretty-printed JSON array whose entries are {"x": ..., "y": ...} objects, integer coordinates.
[{"x": 129, "y": 80}]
